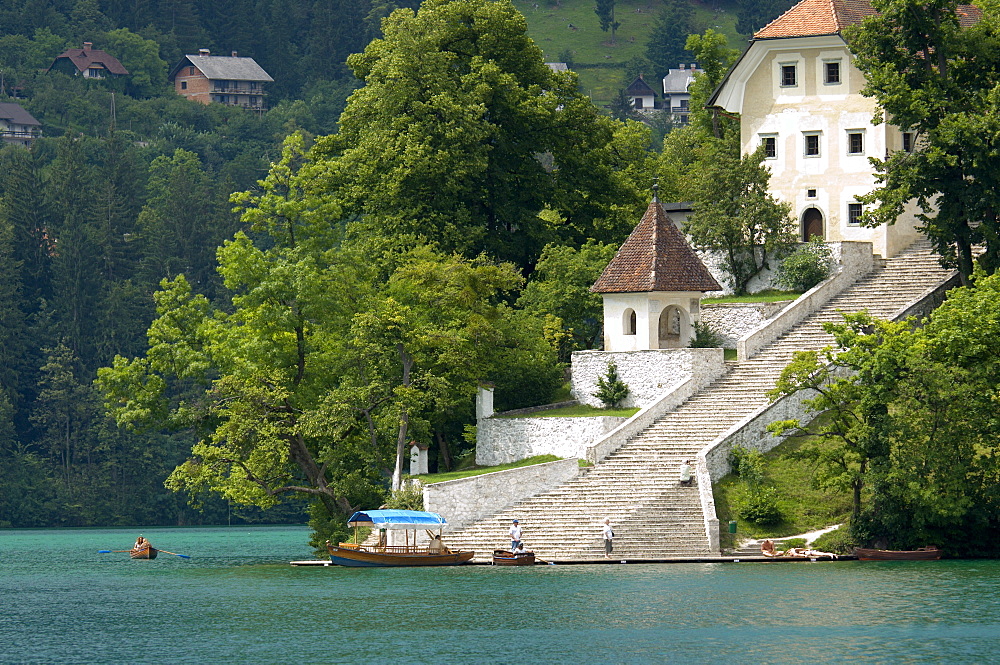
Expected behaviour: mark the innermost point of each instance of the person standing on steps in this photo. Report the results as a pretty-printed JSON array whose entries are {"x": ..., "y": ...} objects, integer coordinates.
[
  {"x": 515, "y": 535},
  {"x": 608, "y": 535}
]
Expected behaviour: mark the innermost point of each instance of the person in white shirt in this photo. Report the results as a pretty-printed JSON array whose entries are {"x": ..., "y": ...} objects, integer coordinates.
[
  {"x": 686, "y": 473},
  {"x": 515, "y": 535},
  {"x": 608, "y": 535}
]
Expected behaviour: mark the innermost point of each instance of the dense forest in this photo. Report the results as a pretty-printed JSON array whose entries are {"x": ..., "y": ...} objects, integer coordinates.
[{"x": 130, "y": 185}]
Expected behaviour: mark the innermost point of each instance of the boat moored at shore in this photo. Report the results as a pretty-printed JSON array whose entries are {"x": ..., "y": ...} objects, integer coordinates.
[
  {"x": 929, "y": 553},
  {"x": 381, "y": 554}
]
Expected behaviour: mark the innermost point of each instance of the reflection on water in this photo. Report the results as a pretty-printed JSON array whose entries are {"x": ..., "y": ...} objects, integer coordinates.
[{"x": 236, "y": 600}]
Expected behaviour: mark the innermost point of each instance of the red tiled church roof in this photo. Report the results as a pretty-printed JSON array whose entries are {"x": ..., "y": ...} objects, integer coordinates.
[
  {"x": 656, "y": 257},
  {"x": 811, "y": 18}
]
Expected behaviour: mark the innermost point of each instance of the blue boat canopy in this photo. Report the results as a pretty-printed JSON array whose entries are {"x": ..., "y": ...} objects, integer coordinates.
[{"x": 396, "y": 519}]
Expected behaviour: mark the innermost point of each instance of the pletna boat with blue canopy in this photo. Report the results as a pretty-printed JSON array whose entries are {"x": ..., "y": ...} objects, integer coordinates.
[{"x": 380, "y": 554}]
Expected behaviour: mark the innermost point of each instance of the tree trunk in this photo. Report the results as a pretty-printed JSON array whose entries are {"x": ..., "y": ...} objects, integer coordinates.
[
  {"x": 444, "y": 455},
  {"x": 404, "y": 421}
]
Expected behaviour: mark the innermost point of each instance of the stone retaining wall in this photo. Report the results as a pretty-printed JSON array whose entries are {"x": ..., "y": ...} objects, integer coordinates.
[
  {"x": 648, "y": 374},
  {"x": 502, "y": 440},
  {"x": 732, "y": 321},
  {"x": 464, "y": 501}
]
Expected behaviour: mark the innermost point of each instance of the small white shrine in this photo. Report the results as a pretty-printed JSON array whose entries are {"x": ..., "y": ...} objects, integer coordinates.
[{"x": 653, "y": 287}]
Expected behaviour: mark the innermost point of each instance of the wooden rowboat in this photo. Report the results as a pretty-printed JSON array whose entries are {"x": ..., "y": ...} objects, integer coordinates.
[
  {"x": 930, "y": 553},
  {"x": 382, "y": 554},
  {"x": 508, "y": 558},
  {"x": 147, "y": 551}
]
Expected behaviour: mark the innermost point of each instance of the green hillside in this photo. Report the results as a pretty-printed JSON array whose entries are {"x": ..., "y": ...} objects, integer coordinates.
[{"x": 597, "y": 61}]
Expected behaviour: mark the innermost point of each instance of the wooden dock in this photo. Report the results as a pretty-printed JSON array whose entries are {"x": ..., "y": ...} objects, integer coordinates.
[{"x": 687, "y": 559}]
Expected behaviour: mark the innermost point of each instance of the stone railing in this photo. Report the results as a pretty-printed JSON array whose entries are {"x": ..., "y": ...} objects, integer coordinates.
[
  {"x": 855, "y": 261},
  {"x": 666, "y": 402},
  {"x": 466, "y": 500}
]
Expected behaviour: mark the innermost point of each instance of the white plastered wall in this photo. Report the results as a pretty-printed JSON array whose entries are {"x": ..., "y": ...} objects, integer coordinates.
[
  {"x": 647, "y": 307},
  {"x": 834, "y": 178}
]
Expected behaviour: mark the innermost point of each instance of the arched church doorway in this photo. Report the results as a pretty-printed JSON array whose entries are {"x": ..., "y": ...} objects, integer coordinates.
[{"x": 812, "y": 225}]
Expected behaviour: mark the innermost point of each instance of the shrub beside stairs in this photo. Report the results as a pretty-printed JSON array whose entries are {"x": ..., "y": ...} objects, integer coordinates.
[{"x": 637, "y": 486}]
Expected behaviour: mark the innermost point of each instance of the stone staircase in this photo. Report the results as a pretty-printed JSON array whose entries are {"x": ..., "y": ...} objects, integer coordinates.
[{"x": 636, "y": 486}]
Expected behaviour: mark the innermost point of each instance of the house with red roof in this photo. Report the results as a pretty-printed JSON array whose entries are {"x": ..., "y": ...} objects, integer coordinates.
[
  {"x": 798, "y": 94},
  {"x": 88, "y": 62}
]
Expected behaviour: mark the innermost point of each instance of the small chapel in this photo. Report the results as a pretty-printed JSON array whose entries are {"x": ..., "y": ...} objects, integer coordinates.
[
  {"x": 652, "y": 292},
  {"x": 653, "y": 287}
]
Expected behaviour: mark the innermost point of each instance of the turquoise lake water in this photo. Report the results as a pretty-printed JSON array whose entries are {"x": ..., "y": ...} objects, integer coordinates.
[{"x": 238, "y": 601}]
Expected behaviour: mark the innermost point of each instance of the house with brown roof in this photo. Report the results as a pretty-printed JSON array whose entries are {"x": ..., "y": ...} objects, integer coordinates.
[
  {"x": 17, "y": 126},
  {"x": 642, "y": 96},
  {"x": 217, "y": 79},
  {"x": 653, "y": 287},
  {"x": 88, "y": 62},
  {"x": 798, "y": 94}
]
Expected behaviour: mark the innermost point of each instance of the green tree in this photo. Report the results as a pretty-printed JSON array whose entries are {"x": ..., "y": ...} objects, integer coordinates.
[
  {"x": 610, "y": 389},
  {"x": 714, "y": 56},
  {"x": 324, "y": 363},
  {"x": 461, "y": 136},
  {"x": 63, "y": 412},
  {"x": 938, "y": 79},
  {"x": 606, "y": 15},
  {"x": 666, "y": 45},
  {"x": 560, "y": 287},
  {"x": 913, "y": 412},
  {"x": 735, "y": 214},
  {"x": 141, "y": 57}
]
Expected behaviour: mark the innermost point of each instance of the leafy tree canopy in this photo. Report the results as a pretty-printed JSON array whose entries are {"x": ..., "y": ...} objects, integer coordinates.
[
  {"x": 462, "y": 135},
  {"x": 933, "y": 74}
]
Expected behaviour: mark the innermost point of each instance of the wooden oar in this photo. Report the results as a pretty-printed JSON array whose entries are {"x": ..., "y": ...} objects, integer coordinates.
[
  {"x": 110, "y": 551},
  {"x": 183, "y": 556},
  {"x": 544, "y": 561}
]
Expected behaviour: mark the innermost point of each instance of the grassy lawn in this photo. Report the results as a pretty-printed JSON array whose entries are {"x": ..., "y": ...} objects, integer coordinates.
[
  {"x": 578, "y": 411},
  {"x": 431, "y": 478},
  {"x": 768, "y": 295},
  {"x": 804, "y": 506},
  {"x": 549, "y": 25}
]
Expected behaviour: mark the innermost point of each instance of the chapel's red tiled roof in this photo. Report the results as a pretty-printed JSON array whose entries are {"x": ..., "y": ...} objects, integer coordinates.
[
  {"x": 810, "y": 18},
  {"x": 656, "y": 257}
]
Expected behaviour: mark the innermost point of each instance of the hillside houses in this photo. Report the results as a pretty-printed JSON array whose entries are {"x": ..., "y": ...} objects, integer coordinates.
[{"x": 214, "y": 79}]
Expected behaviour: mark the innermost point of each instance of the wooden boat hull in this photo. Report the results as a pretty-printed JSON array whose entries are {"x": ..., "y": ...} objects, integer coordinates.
[
  {"x": 361, "y": 557},
  {"x": 506, "y": 558},
  {"x": 147, "y": 552},
  {"x": 922, "y": 554}
]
